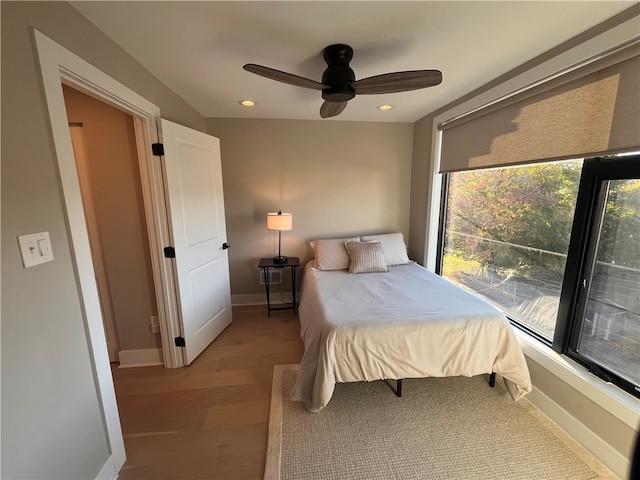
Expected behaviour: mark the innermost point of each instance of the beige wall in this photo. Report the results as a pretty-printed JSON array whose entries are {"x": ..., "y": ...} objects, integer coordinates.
[
  {"x": 336, "y": 178},
  {"x": 51, "y": 417},
  {"x": 607, "y": 426},
  {"x": 114, "y": 176},
  {"x": 420, "y": 187}
]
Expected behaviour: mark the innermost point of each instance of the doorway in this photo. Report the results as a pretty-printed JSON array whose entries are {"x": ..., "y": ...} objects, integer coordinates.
[
  {"x": 104, "y": 145},
  {"x": 59, "y": 66}
]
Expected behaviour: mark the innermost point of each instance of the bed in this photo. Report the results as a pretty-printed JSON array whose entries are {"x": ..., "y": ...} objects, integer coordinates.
[{"x": 405, "y": 322}]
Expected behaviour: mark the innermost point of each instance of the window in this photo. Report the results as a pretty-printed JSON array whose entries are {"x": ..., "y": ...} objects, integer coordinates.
[
  {"x": 601, "y": 328},
  {"x": 507, "y": 237},
  {"x": 556, "y": 246}
]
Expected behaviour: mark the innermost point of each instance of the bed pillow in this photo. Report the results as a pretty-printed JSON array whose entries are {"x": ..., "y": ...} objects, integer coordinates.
[
  {"x": 366, "y": 257},
  {"x": 395, "y": 250},
  {"x": 331, "y": 254}
]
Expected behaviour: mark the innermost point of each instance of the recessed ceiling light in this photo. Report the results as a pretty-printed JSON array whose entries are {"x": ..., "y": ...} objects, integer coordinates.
[
  {"x": 247, "y": 103},
  {"x": 384, "y": 108}
]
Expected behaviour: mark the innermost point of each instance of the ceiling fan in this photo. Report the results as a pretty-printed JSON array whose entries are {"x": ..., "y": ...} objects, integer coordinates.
[{"x": 339, "y": 84}]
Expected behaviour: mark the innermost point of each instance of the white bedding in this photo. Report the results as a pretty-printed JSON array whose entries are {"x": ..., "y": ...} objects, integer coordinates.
[{"x": 405, "y": 323}]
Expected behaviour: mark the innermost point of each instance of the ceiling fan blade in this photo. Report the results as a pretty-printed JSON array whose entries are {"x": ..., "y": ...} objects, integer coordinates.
[
  {"x": 397, "y": 82},
  {"x": 284, "y": 77},
  {"x": 331, "y": 109}
]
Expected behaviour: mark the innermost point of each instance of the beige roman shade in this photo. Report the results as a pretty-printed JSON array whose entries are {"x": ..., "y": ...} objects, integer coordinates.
[{"x": 589, "y": 111}]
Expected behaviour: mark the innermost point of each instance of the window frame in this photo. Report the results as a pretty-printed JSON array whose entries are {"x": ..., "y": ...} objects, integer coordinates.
[{"x": 571, "y": 304}]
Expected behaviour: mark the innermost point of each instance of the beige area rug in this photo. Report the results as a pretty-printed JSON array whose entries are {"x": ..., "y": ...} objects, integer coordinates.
[{"x": 441, "y": 428}]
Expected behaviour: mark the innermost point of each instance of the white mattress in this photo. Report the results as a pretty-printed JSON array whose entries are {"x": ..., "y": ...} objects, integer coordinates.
[{"x": 406, "y": 323}]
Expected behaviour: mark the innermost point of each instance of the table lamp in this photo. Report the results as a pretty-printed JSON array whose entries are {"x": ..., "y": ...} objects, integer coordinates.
[{"x": 279, "y": 222}]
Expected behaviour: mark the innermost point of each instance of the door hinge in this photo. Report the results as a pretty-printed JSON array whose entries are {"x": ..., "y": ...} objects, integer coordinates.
[
  {"x": 157, "y": 149},
  {"x": 179, "y": 341},
  {"x": 169, "y": 252}
]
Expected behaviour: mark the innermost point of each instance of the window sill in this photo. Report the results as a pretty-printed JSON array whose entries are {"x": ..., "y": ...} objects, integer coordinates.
[{"x": 616, "y": 401}]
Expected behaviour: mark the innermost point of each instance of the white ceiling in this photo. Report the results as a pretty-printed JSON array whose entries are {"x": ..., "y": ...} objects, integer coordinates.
[{"x": 198, "y": 48}]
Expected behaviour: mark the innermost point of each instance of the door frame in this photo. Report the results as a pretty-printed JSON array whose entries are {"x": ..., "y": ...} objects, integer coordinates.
[{"x": 57, "y": 66}]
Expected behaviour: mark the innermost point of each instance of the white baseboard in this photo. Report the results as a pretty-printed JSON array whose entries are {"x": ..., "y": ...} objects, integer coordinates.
[
  {"x": 108, "y": 471},
  {"x": 143, "y": 357},
  {"x": 605, "y": 453}
]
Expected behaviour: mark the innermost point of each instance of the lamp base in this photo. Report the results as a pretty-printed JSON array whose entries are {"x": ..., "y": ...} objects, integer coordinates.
[{"x": 280, "y": 260}]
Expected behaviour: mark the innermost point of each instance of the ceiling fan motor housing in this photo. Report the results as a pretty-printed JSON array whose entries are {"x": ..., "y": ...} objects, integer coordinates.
[{"x": 338, "y": 75}]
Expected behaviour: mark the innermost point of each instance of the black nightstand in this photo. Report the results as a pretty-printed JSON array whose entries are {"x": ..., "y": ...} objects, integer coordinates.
[{"x": 292, "y": 263}]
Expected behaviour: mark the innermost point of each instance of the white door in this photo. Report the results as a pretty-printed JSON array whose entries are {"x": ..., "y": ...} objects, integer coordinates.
[
  {"x": 197, "y": 221},
  {"x": 102, "y": 280}
]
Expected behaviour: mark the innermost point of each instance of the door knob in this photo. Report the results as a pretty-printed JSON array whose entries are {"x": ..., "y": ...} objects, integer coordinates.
[{"x": 225, "y": 245}]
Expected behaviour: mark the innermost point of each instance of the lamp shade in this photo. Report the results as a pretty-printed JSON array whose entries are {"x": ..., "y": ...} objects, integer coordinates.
[{"x": 279, "y": 221}]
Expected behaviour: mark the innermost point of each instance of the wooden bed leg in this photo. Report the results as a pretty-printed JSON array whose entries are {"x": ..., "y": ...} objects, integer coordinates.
[
  {"x": 492, "y": 379},
  {"x": 399, "y": 387}
]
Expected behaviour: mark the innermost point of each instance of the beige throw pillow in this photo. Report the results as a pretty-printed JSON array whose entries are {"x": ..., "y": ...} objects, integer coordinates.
[{"x": 366, "y": 257}]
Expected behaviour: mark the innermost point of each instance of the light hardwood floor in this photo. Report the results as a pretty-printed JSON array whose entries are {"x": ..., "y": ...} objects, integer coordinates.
[{"x": 208, "y": 420}]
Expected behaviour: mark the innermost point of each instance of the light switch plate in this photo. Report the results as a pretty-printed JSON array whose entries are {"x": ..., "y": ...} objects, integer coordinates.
[{"x": 35, "y": 248}]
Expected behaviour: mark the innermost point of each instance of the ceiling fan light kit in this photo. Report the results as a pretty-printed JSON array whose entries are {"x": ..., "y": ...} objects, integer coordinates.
[{"x": 339, "y": 85}]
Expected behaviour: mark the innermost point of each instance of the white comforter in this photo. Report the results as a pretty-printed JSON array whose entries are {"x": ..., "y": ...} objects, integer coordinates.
[{"x": 406, "y": 323}]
